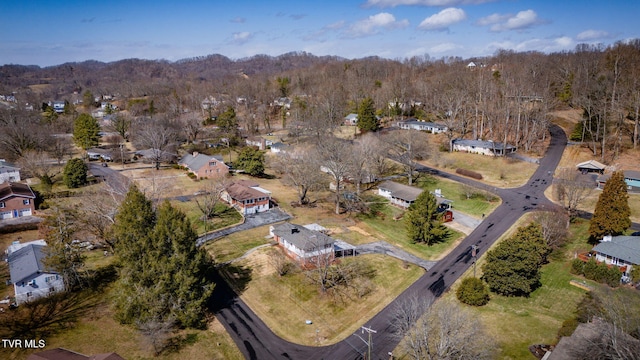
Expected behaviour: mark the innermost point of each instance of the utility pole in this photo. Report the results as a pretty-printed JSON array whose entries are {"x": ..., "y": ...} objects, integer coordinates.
[{"x": 369, "y": 344}]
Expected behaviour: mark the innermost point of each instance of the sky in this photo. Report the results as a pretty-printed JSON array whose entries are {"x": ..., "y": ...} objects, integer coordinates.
[{"x": 47, "y": 32}]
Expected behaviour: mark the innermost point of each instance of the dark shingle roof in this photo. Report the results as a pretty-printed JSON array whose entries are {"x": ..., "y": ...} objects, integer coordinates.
[
  {"x": 15, "y": 189},
  {"x": 241, "y": 191},
  {"x": 301, "y": 237}
]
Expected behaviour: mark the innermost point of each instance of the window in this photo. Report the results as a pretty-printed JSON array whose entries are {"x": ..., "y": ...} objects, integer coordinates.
[
  {"x": 212, "y": 163},
  {"x": 25, "y": 201},
  {"x": 1, "y": 205},
  {"x": 52, "y": 289},
  {"x": 29, "y": 294}
]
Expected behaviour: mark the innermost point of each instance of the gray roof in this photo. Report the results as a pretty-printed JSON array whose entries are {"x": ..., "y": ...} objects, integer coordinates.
[
  {"x": 301, "y": 237},
  {"x": 626, "y": 248},
  {"x": 628, "y": 174},
  {"x": 6, "y": 167},
  {"x": 26, "y": 262},
  {"x": 196, "y": 162},
  {"x": 400, "y": 191},
  {"x": 482, "y": 144}
]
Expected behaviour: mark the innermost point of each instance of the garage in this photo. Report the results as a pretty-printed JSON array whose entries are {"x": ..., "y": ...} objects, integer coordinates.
[
  {"x": 24, "y": 212},
  {"x": 5, "y": 215}
]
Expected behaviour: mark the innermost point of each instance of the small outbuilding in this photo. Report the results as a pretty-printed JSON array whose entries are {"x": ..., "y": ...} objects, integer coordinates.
[{"x": 591, "y": 166}]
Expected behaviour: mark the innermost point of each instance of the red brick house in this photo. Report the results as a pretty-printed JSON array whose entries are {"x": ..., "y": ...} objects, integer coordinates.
[
  {"x": 204, "y": 166},
  {"x": 16, "y": 200},
  {"x": 248, "y": 197}
]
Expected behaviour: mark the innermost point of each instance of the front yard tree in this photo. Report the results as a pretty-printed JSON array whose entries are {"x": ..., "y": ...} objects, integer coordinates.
[
  {"x": 75, "y": 173},
  {"x": 572, "y": 189},
  {"x": 59, "y": 229},
  {"x": 227, "y": 123},
  {"x": 407, "y": 146},
  {"x": 251, "y": 160},
  {"x": 162, "y": 274},
  {"x": 299, "y": 170},
  {"x": 86, "y": 131},
  {"x": 334, "y": 155},
  {"x": 367, "y": 120},
  {"x": 512, "y": 267},
  {"x": 444, "y": 330},
  {"x": 423, "y": 223},
  {"x": 611, "y": 215}
]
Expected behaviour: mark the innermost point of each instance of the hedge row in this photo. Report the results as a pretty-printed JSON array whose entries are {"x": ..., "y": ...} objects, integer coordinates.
[
  {"x": 596, "y": 271},
  {"x": 469, "y": 173}
]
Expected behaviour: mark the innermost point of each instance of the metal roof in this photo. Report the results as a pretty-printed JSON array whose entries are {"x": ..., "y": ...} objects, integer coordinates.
[{"x": 25, "y": 262}]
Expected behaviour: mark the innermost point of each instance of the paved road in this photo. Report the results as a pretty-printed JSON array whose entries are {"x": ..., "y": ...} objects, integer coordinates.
[{"x": 256, "y": 341}]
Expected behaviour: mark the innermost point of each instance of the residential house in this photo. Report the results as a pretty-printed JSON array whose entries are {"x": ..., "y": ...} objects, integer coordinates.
[
  {"x": 247, "y": 197},
  {"x": 591, "y": 166},
  {"x": 58, "y": 106},
  {"x": 64, "y": 354},
  {"x": 30, "y": 277},
  {"x": 399, "y": 194},
  {"x": 259, "y": 142},
  {"x": 8, "y": 172},
  {"x": 351, "y": 119},
  {"x": 204, "y": 166},
  {"x": 415, "y": 124},
  {"x": 16, "y": 200},
  {"x": 307, "y": 247},
  {"x": 621, "y": 251},
  {"x": 403, "y": 196},
  {"x": 283, "y": 102},
  {"x": 484, "y": 147},
  {"x": 631, "y": 177},
  {"x": 279, "y": 147}
]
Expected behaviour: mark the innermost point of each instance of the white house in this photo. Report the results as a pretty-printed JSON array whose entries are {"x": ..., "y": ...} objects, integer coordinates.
[
  {"x": 621, "y": 251},
  {"x": 8, "y": 172},
  {"x": 399, "y": 194},
  {"x": 308, "y": 247},
  {"x": 415, "y": 124},
  {"x": 351, "y": 119},
  {"x": 484, "y": 147},
  {"x": 31, "y": 279}
]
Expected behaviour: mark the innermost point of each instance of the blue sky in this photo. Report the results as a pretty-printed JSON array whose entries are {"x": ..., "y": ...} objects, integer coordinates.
[{"x": 39, "y": 32}]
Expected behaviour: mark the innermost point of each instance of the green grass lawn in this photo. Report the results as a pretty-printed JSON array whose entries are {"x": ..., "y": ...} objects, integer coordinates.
[
  {"x": 477, "y": 204},
  {"x": 384, "y": 227},
  {"x": 225, "y": 216},
  {"x": 235, "y": 245}
]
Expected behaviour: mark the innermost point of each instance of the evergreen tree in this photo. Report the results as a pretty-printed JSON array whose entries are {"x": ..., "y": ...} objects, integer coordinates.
[
  {"x": 251, "y": 160},
  {"x": 86, "y": 131},
  {"x": 472, "y": 291},
  {"x": 422, "y": 220},
  {"x": 611, "y": 215},
  {"x": 163, "y": 276},
  {"x": 367, "y": 119},
  {"x": 512, "y": 267},
  {"x": 75, "y": 173},
  {"x": 228, "y": 126}
]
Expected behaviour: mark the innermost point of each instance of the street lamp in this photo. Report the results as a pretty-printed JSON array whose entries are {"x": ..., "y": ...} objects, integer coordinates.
[{"x": 474, "y": 254}]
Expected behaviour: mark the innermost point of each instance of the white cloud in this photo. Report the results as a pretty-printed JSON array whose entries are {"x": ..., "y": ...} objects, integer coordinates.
[
  {"x": 522, "y": 20},
  {"x": 561, "y": 43},
  {"x": 241, "y": 37},
  {"x": 443, "y": 19},
  {"x": 444, "y": 48},
  {"x": 493, "y": 19},
  {"x": 592, "y": 35},
  {"x": 394, "y": 3},
  {"x": 373, "y": 23}
]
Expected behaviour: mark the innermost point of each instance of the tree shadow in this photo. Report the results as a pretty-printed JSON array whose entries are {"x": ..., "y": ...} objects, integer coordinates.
[{"x": 231, "y": 280}]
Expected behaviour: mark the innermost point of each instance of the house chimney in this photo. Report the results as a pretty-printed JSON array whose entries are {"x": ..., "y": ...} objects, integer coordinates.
[
  {"x": 195, "y": 153},
  {"x": 606, "y": 238},
  {"x": 294, "y": 230}
]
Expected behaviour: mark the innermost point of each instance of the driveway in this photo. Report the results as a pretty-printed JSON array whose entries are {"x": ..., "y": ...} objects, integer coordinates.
[
  {"x": 274, "y": 215},
  {"x": 383, "y": 247}
]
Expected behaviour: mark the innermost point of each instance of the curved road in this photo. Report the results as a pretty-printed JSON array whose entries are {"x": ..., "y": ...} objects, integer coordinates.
[{"x": 257, "y": 341}]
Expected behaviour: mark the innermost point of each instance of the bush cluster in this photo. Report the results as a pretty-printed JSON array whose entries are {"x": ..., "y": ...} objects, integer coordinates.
[
  {"x": 469, "y": 173},
  {"x": 473, "y": 291},
  {"x": 596, "y": 271}
]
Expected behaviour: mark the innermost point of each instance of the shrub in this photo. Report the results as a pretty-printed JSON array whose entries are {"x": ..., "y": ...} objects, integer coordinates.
[
  {"x": 568, "y": 327},
  {"x": 590, "y": 269},
  {"x": 577, "y": 267},
  {"x": 473, "y": 291},
  {"x": 469, "y": 173}
]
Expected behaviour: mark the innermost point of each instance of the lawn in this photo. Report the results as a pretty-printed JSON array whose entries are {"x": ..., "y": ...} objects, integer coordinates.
[
  {"x": 496, "y": 171},
  {"x": 518, "y": 322},
  {"x": 237, "y": 244},
  {"x": 384, "y": 227},
  {"x": 285, "y": 303},
  {"x": 477, "y": 203},
  {"x": 225, "y": 216}
]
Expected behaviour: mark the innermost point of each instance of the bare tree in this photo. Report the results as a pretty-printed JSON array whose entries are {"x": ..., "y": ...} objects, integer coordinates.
[
  {"x": 571, "y": 190},
  {"x": 209, "y": 196},
  {"x": 37, "y": 164},
  {"x": 407, "y": 146},
  {"x": 59, "y": 148},
  {"x": 335, "y": 155},
  {"x": 554, "y": 226},
  {"x": 442, "y": 330},
  {"x": 300, "y": 170},
  {"x": 100, "y": 208},
  {"x": 157, "y": 135}
]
